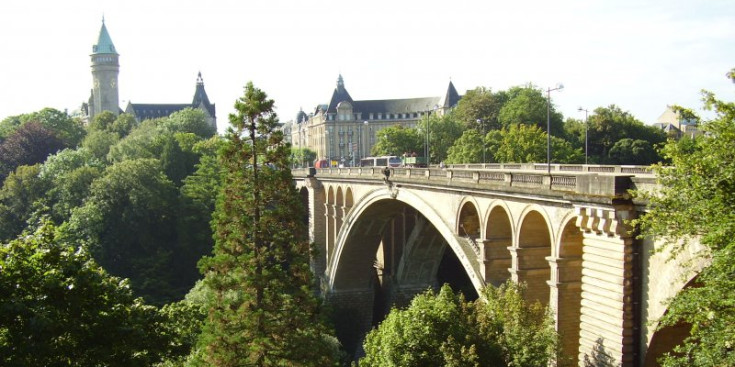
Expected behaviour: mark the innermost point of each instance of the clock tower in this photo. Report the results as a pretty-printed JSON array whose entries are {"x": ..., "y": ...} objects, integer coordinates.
[{"x": 105, "y": 68}]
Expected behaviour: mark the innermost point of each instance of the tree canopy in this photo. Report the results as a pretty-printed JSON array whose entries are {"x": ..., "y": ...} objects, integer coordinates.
[
  {"x": 696, "y": 202},
  {"x": 262, "y": 311},
  {"x": 444, "y": 330}
]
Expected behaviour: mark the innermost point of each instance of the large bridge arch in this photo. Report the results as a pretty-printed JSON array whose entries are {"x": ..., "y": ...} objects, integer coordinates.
[{"x": 345, "y": 256}]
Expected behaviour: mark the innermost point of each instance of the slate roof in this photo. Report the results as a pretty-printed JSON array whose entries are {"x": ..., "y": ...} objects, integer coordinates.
[
  {"x": 404, "y": 105},
  {"x": 104, "y": 42},
  {"x": 146, "y": 111}
]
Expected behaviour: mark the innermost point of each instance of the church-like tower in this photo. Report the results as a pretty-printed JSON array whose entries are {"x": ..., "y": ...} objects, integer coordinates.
[{"x": 105, "y": 69}]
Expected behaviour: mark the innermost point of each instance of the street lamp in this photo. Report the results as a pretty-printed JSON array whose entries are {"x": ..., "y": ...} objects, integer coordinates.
[
  {"x": 366, "y": 152},
  {"x": 329, "y": 157},
  {"x": 586, "y": 130},
  {"x": 427, "y": 150},
  {"x": 480, "y": 121},
  {"x": 548, "y": 126}
]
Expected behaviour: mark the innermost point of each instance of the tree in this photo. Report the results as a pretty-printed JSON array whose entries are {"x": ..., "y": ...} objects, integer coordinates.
[
  {"x": 608, "y": 125},
  {"x": 527, "y": 105},
  {"x": 129, "y": 222},
  {"x": 301, "y": 157},
  {"x": 443, "y": 131},
  {"x": 396, "y": 140},
  {"x": 480, "y": 104},
  {"x": 696, "y": 200},
  {"x": 262, "y": 311},
  {"x": 31, "y": 143},
  {"x": 443, "y": 330},
  {"x": 633, "y": 151},
  {"x": 19, "y": 193},
  {"x": 59, "y": 308},
  {"x": 466, "y": 149}
]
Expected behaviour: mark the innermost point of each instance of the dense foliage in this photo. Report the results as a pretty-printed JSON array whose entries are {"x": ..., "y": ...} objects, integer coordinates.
[
  {"x": 444, "y": 330},
  {"x": 138, "y": 196},
  {"x": 697, "y": 202},
  {"x": 262, "y": 310},
  {"x": 59, "y": 308}
]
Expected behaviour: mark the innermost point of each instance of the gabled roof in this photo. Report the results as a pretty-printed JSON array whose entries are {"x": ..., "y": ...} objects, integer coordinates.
[{"x": 104, "y": 42}]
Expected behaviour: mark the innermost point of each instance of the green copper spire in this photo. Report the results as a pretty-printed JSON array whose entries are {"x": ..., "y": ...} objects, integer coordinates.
[{"x": 104, "y": 42}]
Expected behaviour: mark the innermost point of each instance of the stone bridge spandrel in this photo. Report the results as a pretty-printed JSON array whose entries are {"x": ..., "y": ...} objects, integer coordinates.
[{"x": 382, "y": 240}]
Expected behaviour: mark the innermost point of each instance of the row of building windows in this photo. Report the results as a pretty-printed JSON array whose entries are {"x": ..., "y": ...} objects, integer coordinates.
[{"x": 371, "y": 116}]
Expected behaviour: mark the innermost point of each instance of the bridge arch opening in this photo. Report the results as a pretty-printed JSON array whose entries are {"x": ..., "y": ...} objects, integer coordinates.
[
  {"x": 495, "y": 253},
  {"x": 534, "y": 247},
  {"x": 664, "y": 340},
  {"x": 388, "y": 253},
  {"x": 468, "y": 224}
]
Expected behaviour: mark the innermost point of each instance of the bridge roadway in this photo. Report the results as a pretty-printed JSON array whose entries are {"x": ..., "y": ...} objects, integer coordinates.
[{"x": 383, "y": 239}]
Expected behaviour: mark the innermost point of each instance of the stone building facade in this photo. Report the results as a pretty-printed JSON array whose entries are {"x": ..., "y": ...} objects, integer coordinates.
[{"x": 344, "y": 130}]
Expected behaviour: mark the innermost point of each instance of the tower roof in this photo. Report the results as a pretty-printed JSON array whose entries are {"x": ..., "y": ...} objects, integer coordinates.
[
  {"x": 340, "y": 94},
  {"x": 200, "y": 96},
  {"x": 104, "y": 42},
  {"x": 451, "y": 97}
]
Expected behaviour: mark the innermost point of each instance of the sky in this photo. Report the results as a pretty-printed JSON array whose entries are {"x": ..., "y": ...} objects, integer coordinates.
[{"x": 639, "y": 55}]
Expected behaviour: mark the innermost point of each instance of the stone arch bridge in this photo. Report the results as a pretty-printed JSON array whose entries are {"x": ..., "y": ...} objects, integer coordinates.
[{"x": 383, "y": 237}]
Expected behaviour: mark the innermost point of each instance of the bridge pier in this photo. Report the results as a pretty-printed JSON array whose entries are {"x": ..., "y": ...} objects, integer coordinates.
[
  {"x": 609, "y": 306},
  {"x": 352, "y": 313},
  {"x": 495, "y": 260}
]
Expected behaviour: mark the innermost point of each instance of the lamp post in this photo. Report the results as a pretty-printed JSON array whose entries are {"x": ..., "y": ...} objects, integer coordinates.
[
  {"x": 428, "y": 135},
  {"x": 586, "y": 131},
  {"x": 366, "y": 148},
  {"x": 548, "y": 126},
  {"x": 329, "y": 157},
  {"x": 481, "y": 121}
]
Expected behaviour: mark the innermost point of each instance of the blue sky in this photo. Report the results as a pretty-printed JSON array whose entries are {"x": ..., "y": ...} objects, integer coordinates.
[{"x": 639, "y": 55}]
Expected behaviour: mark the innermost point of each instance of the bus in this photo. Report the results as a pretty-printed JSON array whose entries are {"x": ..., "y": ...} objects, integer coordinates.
[{"x": 384, "y": 161}]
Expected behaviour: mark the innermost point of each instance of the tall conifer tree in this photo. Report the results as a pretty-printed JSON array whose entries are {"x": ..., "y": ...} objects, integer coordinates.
[{"x": 263, "y": 311}]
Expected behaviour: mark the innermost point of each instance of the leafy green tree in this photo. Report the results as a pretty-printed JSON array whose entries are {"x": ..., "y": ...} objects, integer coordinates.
[
  {"x": 467, "y": 149},
  {"x": 301, "y": 157},
  {"x": 396, "y": 140},
  {"x": 20, "y": 191},
  {"x": 262, "y": 310},
  {"x": 189, "y": 120},
  {"x": 444, "y": 330},
  {"x": 129, "y": 222},
  {"x": 102, "y": 121},
  {"x": 608, "y": 125},
  {"x": 433, "y": 330},
  {"x": 633, "y": 151},
  {"x": 68, "y": 176},
  {"x": 480, "y": 104},
  {"x": 29, "y": 144},
  {"x": 59, "y": 308},
  {"x": 443, "y": 131},
  {"x": 695, "y": 201},
  {"x": 527, "y": 105},
  {"x": 525, "y": 331},
  {"x": 99, "y": 142}
]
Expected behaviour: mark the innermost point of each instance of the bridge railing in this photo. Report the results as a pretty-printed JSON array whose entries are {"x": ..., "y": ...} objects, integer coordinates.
[{"x": 582, "y": 179}]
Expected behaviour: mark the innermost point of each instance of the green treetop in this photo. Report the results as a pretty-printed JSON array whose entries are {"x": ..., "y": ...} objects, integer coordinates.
[{"x": 262, "y": 310}]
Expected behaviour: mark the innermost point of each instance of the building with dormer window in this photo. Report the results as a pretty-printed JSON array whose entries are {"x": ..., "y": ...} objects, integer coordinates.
[{"x": 345, "y": 130}]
